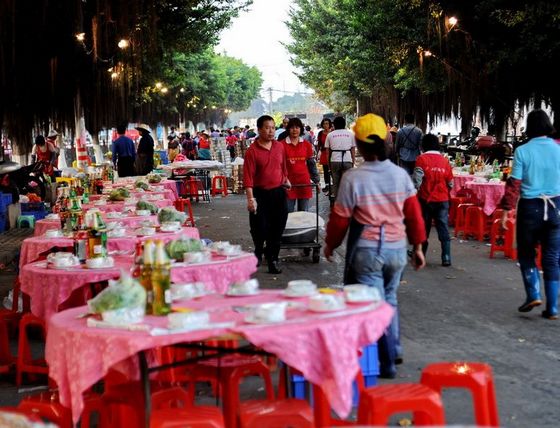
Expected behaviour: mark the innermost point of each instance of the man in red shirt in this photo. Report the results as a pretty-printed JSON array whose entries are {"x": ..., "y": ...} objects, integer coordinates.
[
  {"x": 266, "y": 179},
  {"x": 433, "y": 178}
]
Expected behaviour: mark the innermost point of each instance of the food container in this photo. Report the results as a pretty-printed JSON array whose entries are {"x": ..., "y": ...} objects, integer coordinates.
[
  {"x": 197, "y": 257},
  {"x": 180, "y": 320},
  {"x": 124, "y": 316},
  {"x": 326, "y": 303},
  {"x": 188, "y": 291},
  {"x": 267, "y": 313},
  {"x": 246, "y": 288},
  {"x": 100, "y": 263},
  {"x": 358, "y": 293},
  {"x": 300, "y": 288}
]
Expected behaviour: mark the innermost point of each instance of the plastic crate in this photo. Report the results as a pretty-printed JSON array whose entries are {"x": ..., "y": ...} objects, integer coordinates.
[
  {"x": 33, "y": 207},
  {"x": 300, "y": 386},
  {"x": 39, "y": 215},
  {"x": 369, "y": 363},
  {"x": 5, "y": 200}
]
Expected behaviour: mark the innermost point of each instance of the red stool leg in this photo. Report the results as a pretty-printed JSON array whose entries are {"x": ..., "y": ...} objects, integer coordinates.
[{"x": 25, "y": 362}]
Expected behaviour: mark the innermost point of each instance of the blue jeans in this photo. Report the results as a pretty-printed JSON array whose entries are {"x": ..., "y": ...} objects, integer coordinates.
[
  {"x": 302, "y": 205},
  {"x": 382, "y": 269},
  {"x": 532, "y": 229},
  {"x": 438, "y": 211}
]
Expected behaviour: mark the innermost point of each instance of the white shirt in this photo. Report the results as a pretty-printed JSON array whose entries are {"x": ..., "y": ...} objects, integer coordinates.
[{"x": 340, "y": 139}]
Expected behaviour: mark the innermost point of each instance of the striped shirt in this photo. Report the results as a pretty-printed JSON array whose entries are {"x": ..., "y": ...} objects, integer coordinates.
[{"x": 374, "y": 194}]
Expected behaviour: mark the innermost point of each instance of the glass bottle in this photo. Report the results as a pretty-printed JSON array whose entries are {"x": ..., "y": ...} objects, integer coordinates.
[
  {"x": 472, "y": 167},
  {"x": 97, "y": 243},
  {"x": 161, "y": 281},
  {"x": 146, "y": 275},
  {"x": 138, "y": 260}
]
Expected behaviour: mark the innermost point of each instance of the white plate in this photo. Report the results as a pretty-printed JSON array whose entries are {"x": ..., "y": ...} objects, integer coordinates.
[
  {"x": 250, "y": 320},
  {"x": 291, "y": 293},
  {"x": 106, "y": 265},
  {"x": 339, "y": 308},
  {"x": 238, "y": 294},
  {"x": 362, "y": 299}
]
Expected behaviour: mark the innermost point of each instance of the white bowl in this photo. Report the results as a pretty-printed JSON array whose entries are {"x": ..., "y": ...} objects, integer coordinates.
[
  {"x": 326, "y": 303},
  {"x": 143, "y": 213},
  {"x": 361, "y": 293},
  {"x": 300, "y": 288},
  {"x": 53, "y": 233},
  {"x": 267, "y": 312},
  {"x": 188, "y": 291},
  {"x": 100, "y": 263},
  {"x": 181, "y": 320},
  {"x": 246, "y": 288},
  {"x": 124, "y": 316},
  {"x": 197, "y": 257}
]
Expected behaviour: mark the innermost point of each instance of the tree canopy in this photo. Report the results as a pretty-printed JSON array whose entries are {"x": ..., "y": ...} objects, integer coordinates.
[
  {"x": 105, "y": 55},
  {"x": 492, "y": 57}
]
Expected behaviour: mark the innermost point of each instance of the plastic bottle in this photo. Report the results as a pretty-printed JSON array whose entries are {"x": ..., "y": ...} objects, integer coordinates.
[
  {"x": 161, "y": 281},
  {"x": 136, "y": 271},
  {"x": 146, "y": 274}
]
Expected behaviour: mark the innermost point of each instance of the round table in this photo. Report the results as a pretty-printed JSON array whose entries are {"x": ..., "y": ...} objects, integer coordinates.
[
  {"x": 166, "y": 194},
  {"x": 488, "y": 195},
  {"x": 49, "y": 287},
  {"x": 41, "y": 226},
  {"x": 459, "y": 182},
  {"x": 31, "y": 248},
  {"x": 109, "y": 206},
  {"x": 323, "y": 346}
]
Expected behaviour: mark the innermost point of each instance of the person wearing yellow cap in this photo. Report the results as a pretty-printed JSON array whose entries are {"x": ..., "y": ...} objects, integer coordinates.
[{"x": 377, "y": 205}]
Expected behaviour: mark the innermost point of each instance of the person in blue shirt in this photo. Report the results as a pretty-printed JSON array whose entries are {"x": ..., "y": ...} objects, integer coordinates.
[
  {"x": 124, "y": 153},
  {"x": 536, "y": 176}
]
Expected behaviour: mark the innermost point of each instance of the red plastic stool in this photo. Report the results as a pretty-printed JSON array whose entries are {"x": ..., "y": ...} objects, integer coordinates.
[
  {"x": 181, "y": 204},
  {"x": 460, "y": 218},
  {"x": 378, "y": 403},
  {"x": 289, "y": 413},
  {"x": 25, "y": 362},
  {"x": 93, "y": 403},
  {"x": 453, "y": 204},
  {"x": 7, "y": 361},
  {"x": 189, "y": 188},
  {"x": 193, "y": 417},
  {"x": 31, "y": 417},
  {"x": 477, "y": 377},
  {"x": 498, "y": 234},
  {"x": 222, "y": 179},
  {"x": 474, "y": 223},
  {"x": 47, "y": 406},
  {"x": 12, "y": 316},
  {"x": 228, "y": 372}
]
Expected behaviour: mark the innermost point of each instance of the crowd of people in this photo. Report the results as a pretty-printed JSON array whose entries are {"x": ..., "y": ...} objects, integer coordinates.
[{"x": 392, "y": 199}]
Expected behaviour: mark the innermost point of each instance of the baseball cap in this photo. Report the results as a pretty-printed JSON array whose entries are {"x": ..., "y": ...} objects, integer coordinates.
[{"x": 370, "y": 124}]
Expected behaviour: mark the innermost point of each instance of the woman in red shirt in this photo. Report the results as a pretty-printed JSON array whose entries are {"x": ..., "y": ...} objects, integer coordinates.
[
  {"x": 299, "y": 154},
  {"x": 326, "y": 124}
]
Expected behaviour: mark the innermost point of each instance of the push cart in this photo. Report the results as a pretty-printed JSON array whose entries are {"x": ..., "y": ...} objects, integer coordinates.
[{"x": 306, "y": 235}]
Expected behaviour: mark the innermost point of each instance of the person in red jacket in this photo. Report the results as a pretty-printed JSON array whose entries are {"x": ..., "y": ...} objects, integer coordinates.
[{"x": 433, "y": 177}]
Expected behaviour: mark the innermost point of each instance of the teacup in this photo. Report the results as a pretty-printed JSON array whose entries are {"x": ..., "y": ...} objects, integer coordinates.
[
  {"x": 196, "y": 257},
  {"x": 268, "y": 312},
  {"x": 181, "y": 320},
  {"x": 361, "y": 292},
  {"x": 326, "y": 302},
  {"x": 301, "y": 286},
  {"x": 247, "y": 287}
]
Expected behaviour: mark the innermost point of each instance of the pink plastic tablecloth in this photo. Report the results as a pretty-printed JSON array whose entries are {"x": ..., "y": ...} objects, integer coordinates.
[
  {"x": 167, "y": 194},
  {"x": 324, "y": 347},
  {"x": 42, "y": 226},
  {"x": 459, "y": 182},
  {"x": 48, "y": 288},
  {"x": 32, "y": 247},
  {"x": 120, "y": 206},
  {"x": 168, "y": 184},
  {"x": 488, "y": 194}
]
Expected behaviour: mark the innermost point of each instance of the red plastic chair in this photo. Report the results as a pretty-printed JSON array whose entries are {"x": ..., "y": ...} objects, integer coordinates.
[
  {"x": 227, "y": 372},
  {"x": 93, "y": 404},
  {"x": 25, "y": 362},
  {"x": 474, "y": 223},
  {"x": 181, "y": 204},
  {"x": 460, "y": 219},
  {"x": 289, "y": 413},
  {"x": 189, "y": 188},
  {"x": 378, "y": 403},
  {"x": 501, "y": 240},
  {"x": 453, "y": 204},
  {"x": 7, "y": 361},
  {"x": 46, "y": 406},
  {"x": 193, "y": 417},
  {"x": 476, "y": 377},
  {"x": 12, "y": 316},
  {"x": 30, "y": 416},
  {"x": 223, "y": 189}
]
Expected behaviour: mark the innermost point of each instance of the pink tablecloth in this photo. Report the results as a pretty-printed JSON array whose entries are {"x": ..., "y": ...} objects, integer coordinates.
[
  {"x": 459, "y": 182},
  {"x": 49, "y": 288},
  {"x": 166, "y": 194},
  {"x": 120, "y": 206},
  {"x": 168, "y": 184},
  {"x": 324, "y": 347},
  {"x": 487, "y": 194},
  {"x": 41, "y": 226},
  {"x": 32, "y": 247}
]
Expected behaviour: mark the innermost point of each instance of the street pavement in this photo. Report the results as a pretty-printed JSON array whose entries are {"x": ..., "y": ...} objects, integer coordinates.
[{"x": 463, "y": 313}]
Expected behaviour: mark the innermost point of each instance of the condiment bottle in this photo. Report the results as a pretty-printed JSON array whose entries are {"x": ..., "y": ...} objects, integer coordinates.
[
  {"x": 161, "y": 281},
  {"x": 146, "y": 274}
]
